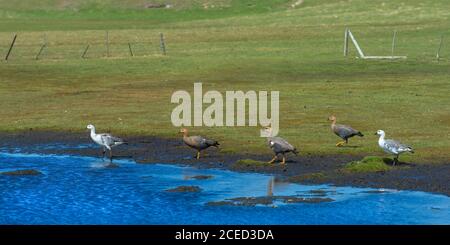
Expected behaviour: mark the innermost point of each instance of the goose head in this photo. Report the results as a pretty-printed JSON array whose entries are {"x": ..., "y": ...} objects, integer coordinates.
[
  {"x": 90, "y": 127},
  {"x": 183, "y": 131},
  {"x": 380, "y": 132},
  {"x": 332, "y": 118},
  {"x": 267, "y": 131}
]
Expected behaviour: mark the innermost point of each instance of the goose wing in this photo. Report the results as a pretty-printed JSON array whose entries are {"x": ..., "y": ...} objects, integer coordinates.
[
  {"x": 280, "y": 145},
  {"x": 200, "y": 142},
  {"x": 395, "y": 146},
  {"x": 109, "y": 139},
  {"x": 344, "y": 131}
]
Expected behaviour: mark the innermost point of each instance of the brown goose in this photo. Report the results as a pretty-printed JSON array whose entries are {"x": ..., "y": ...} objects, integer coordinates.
[
  {"x": 197, "y": 142},
  {"x": 279, "y": 146},
  {"x": 343, "y": 131}
]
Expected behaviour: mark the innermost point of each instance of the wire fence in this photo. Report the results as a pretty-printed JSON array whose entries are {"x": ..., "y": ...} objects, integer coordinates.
[
  {"x": 96, "y": 44},
  {"x": 84, "y": 45}
]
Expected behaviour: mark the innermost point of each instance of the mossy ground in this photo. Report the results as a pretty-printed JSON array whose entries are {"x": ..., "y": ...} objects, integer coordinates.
[{"x": 369, "y": 164}]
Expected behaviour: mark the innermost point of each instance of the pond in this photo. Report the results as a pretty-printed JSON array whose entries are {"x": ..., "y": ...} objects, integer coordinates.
[{"x": 86, "y": 190}]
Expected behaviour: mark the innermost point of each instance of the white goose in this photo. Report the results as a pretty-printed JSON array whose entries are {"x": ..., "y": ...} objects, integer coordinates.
[
  {"x": 106, "y": 140},
  {"x": 391, "y": 146}
]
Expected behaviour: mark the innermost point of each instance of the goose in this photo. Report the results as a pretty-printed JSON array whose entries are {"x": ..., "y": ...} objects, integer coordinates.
[
  {"x": 197, "y": 142},
  {"x": 279, "y": 146},
  {"x": 107, "y": 141},
  {"x": 343, "y": 131},
  {"x": 391, "y": 146}
]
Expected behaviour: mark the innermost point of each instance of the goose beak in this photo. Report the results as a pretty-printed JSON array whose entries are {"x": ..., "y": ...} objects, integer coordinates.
[{"x": 375, "y": 133}]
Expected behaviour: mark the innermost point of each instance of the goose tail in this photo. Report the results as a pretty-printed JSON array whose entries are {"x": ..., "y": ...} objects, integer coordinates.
[{"x": 213, "y": 143}]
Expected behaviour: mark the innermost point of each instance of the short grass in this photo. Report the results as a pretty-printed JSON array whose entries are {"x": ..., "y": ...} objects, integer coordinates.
[{"x": 240, "y": 45}]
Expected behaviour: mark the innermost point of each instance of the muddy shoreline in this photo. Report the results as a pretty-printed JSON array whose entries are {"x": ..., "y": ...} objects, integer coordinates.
[{"x": 305, "y": 169}]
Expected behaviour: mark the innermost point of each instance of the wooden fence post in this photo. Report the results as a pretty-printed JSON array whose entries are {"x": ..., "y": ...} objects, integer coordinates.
[
  {"x": 346, "y": 42},
  {"x": 40, "y": 50},
  {"x": 11, "y": 46},
  {"x": 131, "y": 50},
  {"x": 393, "y": 43},
  {"x": 438, "y": 55},
  {"x": 107, "y": 43},
  {"x": 85, "y": 51},
  {"x": 162, "y": 43}
]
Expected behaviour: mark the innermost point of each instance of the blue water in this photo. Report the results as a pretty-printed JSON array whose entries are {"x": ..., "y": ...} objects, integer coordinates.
[{"x": 81, "y": 190}]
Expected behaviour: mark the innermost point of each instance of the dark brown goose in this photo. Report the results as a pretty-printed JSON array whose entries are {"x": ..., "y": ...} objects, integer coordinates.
[
  {"x": 197, "y": 142},
  {"x": 343, "y": 131}
]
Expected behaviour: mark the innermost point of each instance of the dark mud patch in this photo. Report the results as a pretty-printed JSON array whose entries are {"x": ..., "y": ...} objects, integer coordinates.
[
  {"x": 23, "y": 172},
  {"x": 318, "y": 192},
  {"x": 185, "y": 189},
  {"x": 307, "y": 177},
  {"x": 201, "y": 177},
  {"x": 256, "y": 166},
  {"x": 267, "y": 201}
]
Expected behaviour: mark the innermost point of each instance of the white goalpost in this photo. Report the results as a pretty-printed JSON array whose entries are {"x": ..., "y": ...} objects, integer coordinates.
[{"x": 348, "y": 35}]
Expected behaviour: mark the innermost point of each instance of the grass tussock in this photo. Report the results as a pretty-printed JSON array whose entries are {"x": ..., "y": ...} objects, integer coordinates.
[{"x": 369, "y": 164}]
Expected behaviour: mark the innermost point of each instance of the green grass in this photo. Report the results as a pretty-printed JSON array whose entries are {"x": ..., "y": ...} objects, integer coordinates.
[
  {"x": 118, "y": 14},
  {"x": 369, "y": 164},
  {"x": 241, "y": 45}
]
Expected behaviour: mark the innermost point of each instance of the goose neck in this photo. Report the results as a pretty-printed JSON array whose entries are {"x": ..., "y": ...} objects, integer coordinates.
[{"x": 93, "y": 132}]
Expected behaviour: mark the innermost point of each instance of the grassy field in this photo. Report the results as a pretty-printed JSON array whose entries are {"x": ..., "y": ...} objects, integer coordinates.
[{"x": 232, "y": 45}]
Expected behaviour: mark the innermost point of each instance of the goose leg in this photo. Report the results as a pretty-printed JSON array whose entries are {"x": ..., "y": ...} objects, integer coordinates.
[
  {"x": 110, "y": 155},
  {"x": 198, "y": 155},
  {"x": 273, "y": 159},
  {"x": 284, "y": 160},
  {"x": 395, "y": 160},
  {"x": 103, "y": 153}
]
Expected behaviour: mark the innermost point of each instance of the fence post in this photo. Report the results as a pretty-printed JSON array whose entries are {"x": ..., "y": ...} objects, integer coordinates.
[
  {"x": 11, "y": 46},
  {"x": 393, "y": 43},
  {"x": 358, "y": 48},
  {"x": 85, "y": 51},
  {"x": 107, "y": 43},
  {"x": 346, "y": 42},
  {"x": 162, "y": 43},
  {"x": 40, "y": 50},
  {"x": 438, "y": 56},
  {"x": 131, "y": 50}
]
